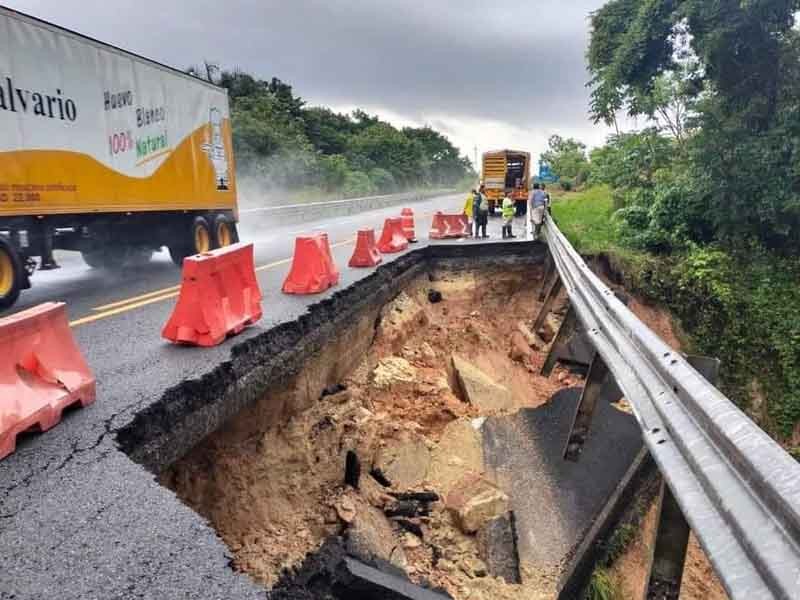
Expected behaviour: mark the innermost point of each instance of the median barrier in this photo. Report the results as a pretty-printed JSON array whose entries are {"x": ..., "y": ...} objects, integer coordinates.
[
  {"x": 392, "y": 237},
  {"x": 313, "y": 270},
  {"x": 449, "y": 226},
  {"x": 312, "y": 211},
  {"x": 219, "y": 297},
  {"x": 407, "y": 218},
  {"x": 366, "y": 253},
  {"x": 42, "y": 372}
]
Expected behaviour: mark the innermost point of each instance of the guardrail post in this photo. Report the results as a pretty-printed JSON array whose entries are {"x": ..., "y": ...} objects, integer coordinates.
[
  {"x": 552, "y": 294},
  {"x": 672, "y": 534},
  {"x": 599, "y": 385},
  {"x": 549, "y": 269},
  {"x": 559, "y": 346},
  {"x": 669, "y": 553}
]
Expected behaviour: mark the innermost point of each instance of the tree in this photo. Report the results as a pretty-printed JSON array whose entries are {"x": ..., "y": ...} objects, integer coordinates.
[
  {"x": 381, "y": 145},
  {"x": 734, "y": 66},
  {"x": 285, "y": 143},
  {"x": 445, "y": 165},
  {"x": 328, "y": 131},
  {"x": 567, "y": 158},
  {"x": 334, "y": 171}
]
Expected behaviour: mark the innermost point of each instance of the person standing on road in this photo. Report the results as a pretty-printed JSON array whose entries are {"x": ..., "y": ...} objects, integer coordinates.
[
  {"x": 477, "y": 197},
  {"x": 480, "y": 209},
  {"x": 468, "y": 209},
  {"x": 538, "y": 207},
  {"x": 547, "y": 198},
  {"x": 508, "y": 217}
]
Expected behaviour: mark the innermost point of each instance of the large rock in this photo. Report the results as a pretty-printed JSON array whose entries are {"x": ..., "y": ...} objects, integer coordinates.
[
  {"x": 459, "y": 451},
  {"x": 549, "y": 328},
  {"x": 497, "y": 546},
  {"x": 393, "y": 370},
  {"x": 404, "y": 464},
  {"x": 370, "y": 537},
  {"x": 400, "y": 318},
  {"x": 520, "y": 350},
  {"x": 533, "y": 340},
  {"x": 479, "y": 389},
  {"x": 475, "y": 501}
]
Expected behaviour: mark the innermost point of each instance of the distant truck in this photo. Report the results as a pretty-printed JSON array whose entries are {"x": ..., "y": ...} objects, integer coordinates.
[
  {"x": 105, "y": 153},
  {"x": 506, "y": 172}
]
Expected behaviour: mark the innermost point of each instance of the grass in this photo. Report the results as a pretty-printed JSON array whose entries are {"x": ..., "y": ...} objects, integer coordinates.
[
  {"x": 603, "y": 586},
  {"x": 585, "y": 218}
]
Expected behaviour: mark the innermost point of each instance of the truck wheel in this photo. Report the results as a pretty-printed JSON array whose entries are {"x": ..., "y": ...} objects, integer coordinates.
[
  {"x": 200, "y": 241},
  {"x": 10, "y": 274},
  {"x": 225, "y": 232},
  {"x": 201, "y": 236}
]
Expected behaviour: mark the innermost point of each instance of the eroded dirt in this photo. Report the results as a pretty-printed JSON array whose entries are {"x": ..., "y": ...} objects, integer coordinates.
[{"x": 272, "y": 481}]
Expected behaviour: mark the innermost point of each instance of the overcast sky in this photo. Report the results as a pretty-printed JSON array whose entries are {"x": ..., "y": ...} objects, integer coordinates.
[{"x": 496, "y": 74}]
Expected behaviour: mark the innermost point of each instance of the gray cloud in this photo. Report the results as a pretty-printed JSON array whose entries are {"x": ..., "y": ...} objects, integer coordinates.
[{"x": 517, "y": 64}]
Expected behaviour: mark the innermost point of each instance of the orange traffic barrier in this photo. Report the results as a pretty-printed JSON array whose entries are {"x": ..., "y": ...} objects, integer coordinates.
[
  {"x": 42, "y": 372},
  {"x": 407, "y": 218},
  {"x": 366, "y": 253},
  {"x": 449, "y": 226},
  {"x": 392, "y": 237},
  {"x": 313, "y": 270},
  {"x": 219, "y": 297}
]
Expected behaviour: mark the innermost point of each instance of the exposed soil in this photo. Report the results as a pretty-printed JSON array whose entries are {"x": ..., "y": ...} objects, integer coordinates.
[{"x": 272, "y": 480}]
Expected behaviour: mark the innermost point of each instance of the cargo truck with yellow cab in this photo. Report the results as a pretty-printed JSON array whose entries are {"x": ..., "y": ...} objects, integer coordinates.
[
  {"x": 506, "y": 172},
  {"x": 105, "y": 153}
]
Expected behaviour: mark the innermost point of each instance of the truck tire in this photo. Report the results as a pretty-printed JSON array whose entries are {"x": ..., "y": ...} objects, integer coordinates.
[
  {"x": 225, "y": 232},
  {"x": 10, "y": 274},
  {"x": 199, "y": 240}
]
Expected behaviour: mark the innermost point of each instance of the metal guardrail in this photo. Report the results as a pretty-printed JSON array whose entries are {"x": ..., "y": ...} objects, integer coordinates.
[{"x": 737, "y": 488}]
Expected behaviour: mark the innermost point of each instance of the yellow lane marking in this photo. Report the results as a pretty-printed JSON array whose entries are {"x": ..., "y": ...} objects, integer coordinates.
[
  {"x": 121, "y": 309},
  {"x": 105, "y": 307},
  {"x": 115, "y": 308}
]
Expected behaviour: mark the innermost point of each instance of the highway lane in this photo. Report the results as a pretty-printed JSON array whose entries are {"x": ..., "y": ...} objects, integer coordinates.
[
  {"x": 86, "y": 290},
  {"x": 69, "y": 498}
]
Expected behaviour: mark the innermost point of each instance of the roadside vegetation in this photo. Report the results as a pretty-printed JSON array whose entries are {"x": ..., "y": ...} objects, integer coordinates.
[
  {"x": 700, "y": 208},
  {"x": 310, "y": 152}
]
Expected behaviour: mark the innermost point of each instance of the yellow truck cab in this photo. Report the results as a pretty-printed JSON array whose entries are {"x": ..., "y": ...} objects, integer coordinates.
[{"x": 105, "y": 153}]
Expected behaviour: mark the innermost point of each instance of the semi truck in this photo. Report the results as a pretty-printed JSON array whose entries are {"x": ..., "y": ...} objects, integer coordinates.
[
  {"x": 105, "y": 153},
  {"x": 506, "y": 172}
]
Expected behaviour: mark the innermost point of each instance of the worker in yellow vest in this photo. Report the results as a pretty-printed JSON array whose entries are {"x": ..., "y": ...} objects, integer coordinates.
[
  {"x": 508, "y": 217},
  {"x": 468, "y": 209}
]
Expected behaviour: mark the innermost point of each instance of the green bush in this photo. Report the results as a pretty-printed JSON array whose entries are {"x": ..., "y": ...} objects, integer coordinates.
[
  {"x": 566, "y": 184},
  {"x": 382, "y": 180},
  {"x": 333, "y": 171},
  {"x": 741, "y": 306},
  {"x": 603, "y": 586},
  {"x": 356, "y": 184}
]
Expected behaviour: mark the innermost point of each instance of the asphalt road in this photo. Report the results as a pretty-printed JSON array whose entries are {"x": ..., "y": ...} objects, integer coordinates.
[
  {"x": 556, "y": 501},
  {"x": 79, "y": 519}
]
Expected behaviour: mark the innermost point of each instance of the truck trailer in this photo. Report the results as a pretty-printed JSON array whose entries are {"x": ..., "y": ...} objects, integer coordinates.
[
  {"x": 506, "y": 172},
  {"x": 105, "y": 153}
]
